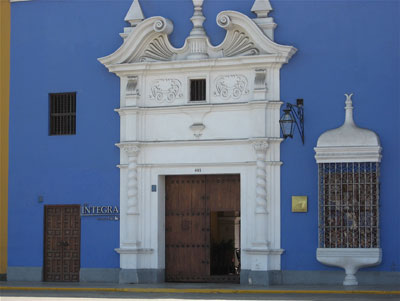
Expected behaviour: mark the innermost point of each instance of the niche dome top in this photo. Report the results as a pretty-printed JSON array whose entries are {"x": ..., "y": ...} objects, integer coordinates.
[{"x": 348, "y": 143}]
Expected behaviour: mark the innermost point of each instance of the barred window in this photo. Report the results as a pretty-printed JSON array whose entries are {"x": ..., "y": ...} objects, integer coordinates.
[
  {"x": 62, "y": 113},
  {"x": 349, "y": 205},
  {"x": 197, "y": 89}
]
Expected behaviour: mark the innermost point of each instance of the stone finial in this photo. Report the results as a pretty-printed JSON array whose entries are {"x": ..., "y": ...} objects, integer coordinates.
[
  {"x": 197, "y": 39},
  {"x": 135, "y": 14},
  {"x": 261, "y": 8},
  {"x": 198, "y": 19}
]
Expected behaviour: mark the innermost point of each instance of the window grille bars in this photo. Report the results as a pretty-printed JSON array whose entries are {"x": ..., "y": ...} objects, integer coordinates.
[
  {"x": 62, "y": 113},
  {"x": 348, "y": 205},
  {"x": 197, "y": 89}
]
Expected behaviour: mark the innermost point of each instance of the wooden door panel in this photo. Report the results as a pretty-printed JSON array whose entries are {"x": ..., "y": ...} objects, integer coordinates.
[
  {"x": 62, "y": 243},
  {"x": 53, "y": 248},
  {"x": 199, "y": 237},
  {"x": 188, "y": 203},
  {"x": 185, "y": 228},
  {"x": 223, "y": 192}
]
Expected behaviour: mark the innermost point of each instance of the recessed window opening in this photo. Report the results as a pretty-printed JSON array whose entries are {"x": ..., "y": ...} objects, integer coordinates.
[
  {"x": 197, "y": 90},
  {"x": 349, "y": 205},
  {"x": 62, "y": 113}
]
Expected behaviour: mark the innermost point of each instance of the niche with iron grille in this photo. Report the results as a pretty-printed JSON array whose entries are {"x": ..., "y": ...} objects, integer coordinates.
[
  {"x": 197, "y": 90},
  {"x": 62, "y": 113},
  {"x": 349, "y": 205}
]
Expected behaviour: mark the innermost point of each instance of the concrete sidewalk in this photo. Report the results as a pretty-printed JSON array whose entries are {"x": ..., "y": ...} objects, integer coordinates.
[{"x": 197, "y": 288}]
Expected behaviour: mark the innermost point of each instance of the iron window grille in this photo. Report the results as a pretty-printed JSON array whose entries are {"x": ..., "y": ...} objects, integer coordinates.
[
  {"x": 62, "y": 113},
  {"x": 197, "y": 90},
  {"x": 349, "y": 205}
]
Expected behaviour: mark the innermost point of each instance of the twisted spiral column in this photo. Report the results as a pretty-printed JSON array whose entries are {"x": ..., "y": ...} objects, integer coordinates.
[
  {"x": 261, "y": 147},
  {"x": 132, "y": 212},
  {"x": 132, "y": 183}
]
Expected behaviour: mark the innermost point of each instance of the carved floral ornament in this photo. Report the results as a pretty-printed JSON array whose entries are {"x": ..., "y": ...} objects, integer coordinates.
[
  {"x": 231, "y": 86},
  {"x": 166, "y": 90}
]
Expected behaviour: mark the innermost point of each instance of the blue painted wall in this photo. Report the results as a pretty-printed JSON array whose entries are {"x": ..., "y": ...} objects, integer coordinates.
[{"x": 344, "y": 46}]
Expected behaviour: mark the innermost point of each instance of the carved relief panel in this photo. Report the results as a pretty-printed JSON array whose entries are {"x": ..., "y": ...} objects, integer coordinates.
[
  {"x": 173, "y": 90},
  {"x": 231, "y": 86},
  {"x": 164, "y": 91},
  {"x": 234, "y": 87}
]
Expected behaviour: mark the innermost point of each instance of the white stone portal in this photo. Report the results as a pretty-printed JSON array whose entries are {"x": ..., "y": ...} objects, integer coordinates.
[{"x": 233, "y": 130}]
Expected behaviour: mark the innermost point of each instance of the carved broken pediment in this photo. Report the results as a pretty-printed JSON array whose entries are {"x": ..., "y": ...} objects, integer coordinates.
[
  {"x": 148, "y": 42},
  {"x": 239, "y": 43},
  {"x": 157, "y": 50},
  {"x": 245, "y": 38}
]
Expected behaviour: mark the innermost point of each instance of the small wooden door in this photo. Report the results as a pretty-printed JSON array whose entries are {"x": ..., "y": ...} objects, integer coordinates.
[
  {"x": 62, "y": 238},
  {"x": 189, "y": 201}
]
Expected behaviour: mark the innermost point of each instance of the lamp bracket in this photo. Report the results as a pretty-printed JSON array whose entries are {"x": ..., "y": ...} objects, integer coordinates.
[{"x": 297, "y": 113}]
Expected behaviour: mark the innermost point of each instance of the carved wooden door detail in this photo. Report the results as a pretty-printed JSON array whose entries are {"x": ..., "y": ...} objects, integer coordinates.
[
  {"x": 62, "y": 243},
  {"x": 187, "y": 222}
]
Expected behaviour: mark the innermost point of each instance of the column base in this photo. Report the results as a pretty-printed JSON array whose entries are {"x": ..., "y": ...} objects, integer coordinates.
[
  {"x": 141, "y": 276},
  {"x": 250, "y": 277}
]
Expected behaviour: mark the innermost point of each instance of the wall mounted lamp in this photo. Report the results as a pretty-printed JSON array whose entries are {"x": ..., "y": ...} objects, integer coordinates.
[{"x": 293, "y": 114}]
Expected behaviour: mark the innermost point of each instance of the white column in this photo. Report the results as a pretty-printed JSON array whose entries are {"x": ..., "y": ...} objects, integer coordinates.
[
  {"x": 132, "y": 212},
  {"x": 261, "y": 218}
]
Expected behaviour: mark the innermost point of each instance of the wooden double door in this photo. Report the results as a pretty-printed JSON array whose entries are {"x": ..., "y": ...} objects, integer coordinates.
[
  {"x": 62, "y": 238},
  {"x": 190, "y": 200}
]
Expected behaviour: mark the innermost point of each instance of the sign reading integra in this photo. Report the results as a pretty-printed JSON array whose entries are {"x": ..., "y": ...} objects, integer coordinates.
[{"x": 101, "y": 212}]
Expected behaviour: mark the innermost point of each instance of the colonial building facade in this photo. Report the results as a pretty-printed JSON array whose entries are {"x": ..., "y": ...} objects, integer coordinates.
[{"x": 172, "y": 166}]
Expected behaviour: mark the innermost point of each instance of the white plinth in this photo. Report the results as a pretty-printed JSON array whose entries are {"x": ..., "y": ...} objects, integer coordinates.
[{"x": 350, "y": 259}]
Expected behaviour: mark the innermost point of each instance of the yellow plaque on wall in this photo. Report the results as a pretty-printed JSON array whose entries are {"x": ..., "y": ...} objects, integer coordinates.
[{"x": 299, "y": 203}]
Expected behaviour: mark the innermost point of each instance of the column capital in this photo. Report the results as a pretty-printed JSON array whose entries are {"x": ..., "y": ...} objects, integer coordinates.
[
  {"x": 132, "y": 149},
  {"x": 260, "y": 145}
]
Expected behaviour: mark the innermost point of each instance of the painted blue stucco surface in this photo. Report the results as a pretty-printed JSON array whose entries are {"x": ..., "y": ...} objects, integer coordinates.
[{"x": 343, "y": 46}]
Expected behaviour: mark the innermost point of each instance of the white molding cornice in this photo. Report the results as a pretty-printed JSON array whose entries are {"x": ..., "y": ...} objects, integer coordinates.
[
  {"x": 162, "y": 143},
  {"x": 206, "y": 106},
  {"x": 11, "y": 1},
  {"x": 260, "y": 61},
  {"x": 348, "y": 154}
]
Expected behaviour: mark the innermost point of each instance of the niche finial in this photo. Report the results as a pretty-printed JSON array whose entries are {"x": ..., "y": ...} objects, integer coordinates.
[{"x": 349, "y": 109}]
